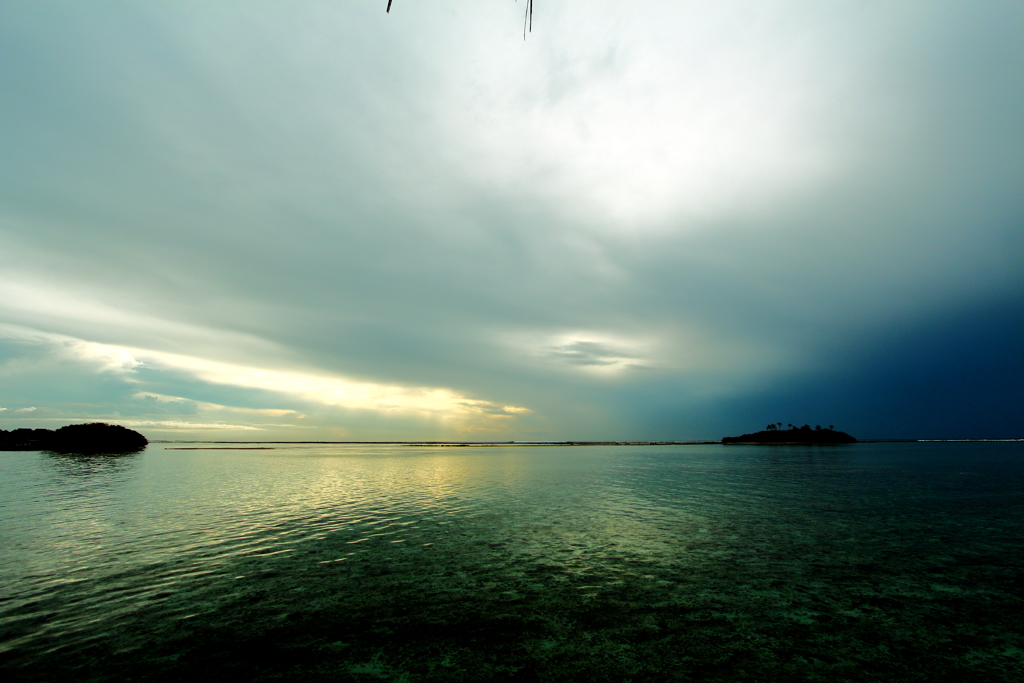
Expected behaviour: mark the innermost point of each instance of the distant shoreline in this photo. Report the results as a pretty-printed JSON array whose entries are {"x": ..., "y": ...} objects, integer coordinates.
[
  {"x": 484, "y": 444},
  {"x": 492, "y": 444}
]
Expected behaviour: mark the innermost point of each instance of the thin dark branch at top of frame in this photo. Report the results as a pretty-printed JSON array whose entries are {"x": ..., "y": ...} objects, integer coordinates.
[{"x": 527, "y": 20}]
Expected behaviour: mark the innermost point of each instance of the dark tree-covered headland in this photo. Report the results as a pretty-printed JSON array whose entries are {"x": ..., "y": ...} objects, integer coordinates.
[
  {"x": 87, "y": 439},
  {"x": 775, "y": 434}
]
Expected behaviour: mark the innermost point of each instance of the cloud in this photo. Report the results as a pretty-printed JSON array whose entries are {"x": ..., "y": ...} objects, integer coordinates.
[
  {"x": 418, "y": 222},
  {"x": 308, "y": 387},
  {"x": 591, "y": 354},
  {"x": 515, "y": 410},
  {"x": 173, "y": 425},
  {"x": 327, "y": 389},
  {"x": 649, "y": 123},
  {"x": 180, "y": 405}
]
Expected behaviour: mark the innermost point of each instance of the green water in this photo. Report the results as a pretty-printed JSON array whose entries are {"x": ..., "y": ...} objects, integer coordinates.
[{"x": 868, "y": 562}]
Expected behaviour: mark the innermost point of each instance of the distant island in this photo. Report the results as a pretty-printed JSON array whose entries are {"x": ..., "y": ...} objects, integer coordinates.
[
  {"x": 776, "y": 434},
  {"x": 87, "y": 439}
]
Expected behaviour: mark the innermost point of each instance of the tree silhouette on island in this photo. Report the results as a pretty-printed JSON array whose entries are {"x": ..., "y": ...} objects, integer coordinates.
[
  {"x": 774, "y": 433},
  {"x": 86, "y": 439}
]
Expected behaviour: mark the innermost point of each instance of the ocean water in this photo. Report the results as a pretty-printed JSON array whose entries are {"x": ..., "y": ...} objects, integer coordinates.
[{"x": 866, "y": 562}]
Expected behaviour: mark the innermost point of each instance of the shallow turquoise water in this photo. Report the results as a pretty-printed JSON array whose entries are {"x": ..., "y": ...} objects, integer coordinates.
[{"x": 864, "y": 562}]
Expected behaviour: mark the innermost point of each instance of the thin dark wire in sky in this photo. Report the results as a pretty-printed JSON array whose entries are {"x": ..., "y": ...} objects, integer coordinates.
[{"x": 527, "y": 20}]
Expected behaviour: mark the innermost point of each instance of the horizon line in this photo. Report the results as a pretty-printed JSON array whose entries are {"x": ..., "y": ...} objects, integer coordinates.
[{"x": 651, "y": 442}]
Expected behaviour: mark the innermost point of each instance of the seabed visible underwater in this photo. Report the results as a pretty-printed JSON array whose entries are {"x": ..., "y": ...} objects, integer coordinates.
[{"x": 869, "y": 562}]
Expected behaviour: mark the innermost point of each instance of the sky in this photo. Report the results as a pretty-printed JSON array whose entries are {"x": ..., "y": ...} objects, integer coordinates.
[{"x": 314, "y": 220}]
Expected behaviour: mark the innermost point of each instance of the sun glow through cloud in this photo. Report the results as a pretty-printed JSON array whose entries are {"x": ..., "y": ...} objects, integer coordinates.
[
  {"x": 645, "y": 124},
  {"x": 322, "y": 389}
]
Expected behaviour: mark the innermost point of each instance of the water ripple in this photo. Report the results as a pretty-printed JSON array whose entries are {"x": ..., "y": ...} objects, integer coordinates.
[{"x": 139, "y": 545}]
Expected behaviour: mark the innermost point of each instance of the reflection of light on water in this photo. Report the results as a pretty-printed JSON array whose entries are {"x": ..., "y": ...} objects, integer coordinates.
[{"x": 252, "y": 541}]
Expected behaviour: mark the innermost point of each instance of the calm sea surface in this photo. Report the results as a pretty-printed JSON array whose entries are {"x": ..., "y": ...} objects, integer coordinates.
[{"x": 867, "y": 562}]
